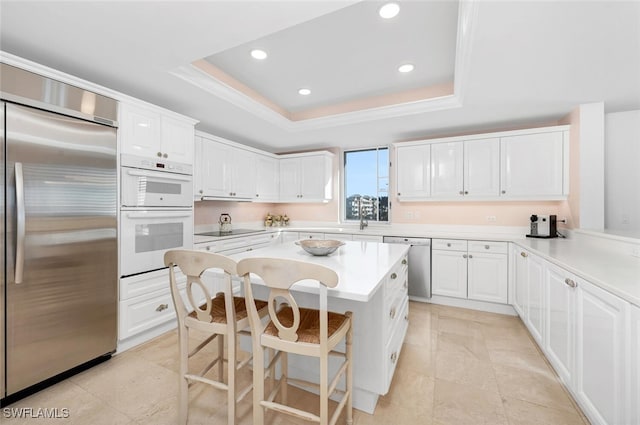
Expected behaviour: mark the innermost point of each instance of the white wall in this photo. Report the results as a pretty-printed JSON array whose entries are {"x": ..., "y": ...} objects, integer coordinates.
[
  {"x": 622, "y": 172},
  {"x": 592, "y": 141}
]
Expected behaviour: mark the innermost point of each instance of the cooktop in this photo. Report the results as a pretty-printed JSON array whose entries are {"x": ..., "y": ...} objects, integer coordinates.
[{"x": 233, "y": 232}]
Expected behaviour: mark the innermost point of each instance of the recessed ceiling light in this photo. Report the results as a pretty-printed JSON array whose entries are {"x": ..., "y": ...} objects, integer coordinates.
[
  {"x": 407, "y": 67},
  {"x": 389, "y": 10},
  {"x": 258, "y": 54},
  {"x": 304, "y": 92}
]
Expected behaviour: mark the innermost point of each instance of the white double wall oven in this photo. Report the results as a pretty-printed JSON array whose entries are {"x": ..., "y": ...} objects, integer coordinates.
[{"x": 156, "y": 212}]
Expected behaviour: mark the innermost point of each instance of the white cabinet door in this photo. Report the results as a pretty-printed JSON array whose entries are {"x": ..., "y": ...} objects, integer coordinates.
[
  {"x": 367, "y": 238},
  {"x": 560, "y": 321},
  {"x": 177, "y": 140},
  {"x": 634, "y": 399},
  {"x": 315, "y": 178},
  {"x": 532, "y": 165},
  {"x": 482, "y": 168},
  {"x": 140, "y": 128},
  {"x": 215, "y": 171},
  {"x": 521, "y": 284},
  {"x": 267, "y": 179},
  {"x": 286, "y": 237},
  {"x": 600, "y": 354},
  {"x": 487, "y": 277},
  {"x": 449, "y": 273},
  {"x": 447, "y": 170},
  {"x": 413, "y": 175},
  {"x": 289, "y": 179},
  {"x": 243, "y": 169},
  {"x": 535, "y": 299}
]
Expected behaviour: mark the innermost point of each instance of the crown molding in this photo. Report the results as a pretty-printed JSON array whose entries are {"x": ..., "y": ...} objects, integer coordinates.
[{"x": 467, "y": 16}]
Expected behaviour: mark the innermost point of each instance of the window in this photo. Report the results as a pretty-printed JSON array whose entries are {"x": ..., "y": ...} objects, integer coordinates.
[{"x": 366, "y": 184}]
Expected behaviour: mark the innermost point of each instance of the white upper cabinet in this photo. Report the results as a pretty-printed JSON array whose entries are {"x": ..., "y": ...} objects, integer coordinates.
[
  {"x": 522, "y": 164},
  {"x": 531, "y": 165},
  {"x": 413, "y": 175},
  {"x": 149, "y": 133},
  {"x": 447, "y": 174},
  {"x": 224, "y": 171},
  {"x": 306, "y": 177},
  {"x": 267, "y": 179},
  {"x": 482, "y": 168}
]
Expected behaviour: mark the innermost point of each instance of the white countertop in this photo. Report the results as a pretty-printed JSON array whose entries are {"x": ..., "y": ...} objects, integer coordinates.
[
  {"x": 593, "y": 259},
  {"x": 361, "y": 266},
  {"x": 598, "y": 258}
]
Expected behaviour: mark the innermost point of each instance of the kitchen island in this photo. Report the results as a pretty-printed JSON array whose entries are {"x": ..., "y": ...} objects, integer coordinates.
[{"x": 373, "y": 285}]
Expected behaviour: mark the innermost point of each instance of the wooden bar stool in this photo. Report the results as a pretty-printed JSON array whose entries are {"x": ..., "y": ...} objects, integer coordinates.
[
  {"x": 296, "y": 330},
  {"x": 220, "y": 316}
]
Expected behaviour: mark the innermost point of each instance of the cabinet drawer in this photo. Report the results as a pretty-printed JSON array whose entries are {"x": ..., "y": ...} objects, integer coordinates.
[
  {"x": 339, "y": 236},
  {"x": 142, "y": 313},
  {"x": 486, "y": 246},
  {"x": 234, "y": 243},
  {"x": 449, "y": 244},
  {"x": 135, "y": 286},
  {"x": 367, "y": 238},
  {"x": 311, "y": 235},
  {"x": 262, "y": 238},
  {"x": 397, "y": 279},
  {"x": 207, "y": 246},
  {"x": 393, "y": 313}
]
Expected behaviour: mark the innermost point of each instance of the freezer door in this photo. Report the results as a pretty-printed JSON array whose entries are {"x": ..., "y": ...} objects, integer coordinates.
[{"x": 61, "y": 250}]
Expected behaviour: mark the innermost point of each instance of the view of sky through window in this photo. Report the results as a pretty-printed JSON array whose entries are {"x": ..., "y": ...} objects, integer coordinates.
[{"x": 367, "y": 184}]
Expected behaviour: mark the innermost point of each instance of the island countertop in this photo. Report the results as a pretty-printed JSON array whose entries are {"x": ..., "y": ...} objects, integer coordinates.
[{"x": 361, "y": 266}]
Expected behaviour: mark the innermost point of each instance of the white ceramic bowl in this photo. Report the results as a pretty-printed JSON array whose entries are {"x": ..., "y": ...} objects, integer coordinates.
[{"x": 319, "y": 247}]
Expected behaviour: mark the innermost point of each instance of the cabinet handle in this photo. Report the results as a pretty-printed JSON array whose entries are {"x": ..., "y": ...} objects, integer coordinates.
[
  {"x": 504, "y": 191},
  {"x": 406, "y": 317},
  {"x": 201, "y": 191},
  {"x": 399, "y": 194},
  {"x": 162, "y": 307},
  {"x": 394, "y": 357},
  {"x": 449, "y": 245},
  {"x": 164, "y": 155},
  {"x": 393, "y": 275},
  {"x": 570, "y": 282},
  {"x": 464, "y": 256},
  {"x": 404, "y": 261},
  {"x": 466, "y": 192},
  {"x": 208, "y": 248},
  {"x": 249, "y": 249},
  {"x": 524, "y": 254},
  {"x": 470, "y": 256},
  {"x": 159, "y": 154},
  {"x": 487, "y": 246},
  {"x": 392, "y": 313},
  {"x": 461, "y": 192},
  {"x": 257, "y": 195}
]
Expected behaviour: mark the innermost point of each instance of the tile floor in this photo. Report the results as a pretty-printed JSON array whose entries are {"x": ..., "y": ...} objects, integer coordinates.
[{"x": 457, "y": 367}]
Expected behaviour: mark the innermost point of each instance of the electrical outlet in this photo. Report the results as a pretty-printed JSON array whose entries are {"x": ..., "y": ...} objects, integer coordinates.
[
  {"x": 491, "y": 218},
  {"x": 635, "y": 251}
]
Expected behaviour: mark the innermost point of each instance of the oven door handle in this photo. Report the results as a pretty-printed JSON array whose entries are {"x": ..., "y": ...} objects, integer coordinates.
[
  {"x": 160, "y": 175},
  {"x": 159, "y": 214}
]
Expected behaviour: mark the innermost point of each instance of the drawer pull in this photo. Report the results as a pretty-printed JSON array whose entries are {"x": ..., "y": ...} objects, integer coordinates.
[
  {"x": 404, "y": 261},
  {"x": 524, "y": 254},
  {"x": 570, "y": 282},
  {"x": 394, "y": 357},
  {"x": 162, "y": 307},
  {"x": 392, "y": 313},
  {"x": 470, "y": 256},
  {"x": 487, "y": 247},
  {"x": 449, "y": 245},
  {"x": 406, "y": 317},
  {"x": 394, "y": 276},
  {"x": 464, "y": 255}
]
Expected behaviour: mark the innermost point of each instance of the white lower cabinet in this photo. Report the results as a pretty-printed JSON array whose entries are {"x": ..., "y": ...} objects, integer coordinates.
[
  {"x": 590, "y": 337},
  {"x": 634, "y": 360},
  {"x": 600, "y": 354},
  {"x": 476, "y": 270},
  {"x": 560, "y": 321}
]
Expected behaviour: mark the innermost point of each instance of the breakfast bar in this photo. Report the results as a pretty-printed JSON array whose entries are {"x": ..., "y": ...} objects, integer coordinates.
[{"x": 372, "y": 285}]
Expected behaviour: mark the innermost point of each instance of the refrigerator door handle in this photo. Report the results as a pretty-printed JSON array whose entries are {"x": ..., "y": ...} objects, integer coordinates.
[{"x": 20, "y": 223}]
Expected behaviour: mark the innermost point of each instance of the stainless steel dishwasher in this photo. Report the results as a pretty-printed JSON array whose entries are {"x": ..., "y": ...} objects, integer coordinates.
[{"x": 419, "y": 265}]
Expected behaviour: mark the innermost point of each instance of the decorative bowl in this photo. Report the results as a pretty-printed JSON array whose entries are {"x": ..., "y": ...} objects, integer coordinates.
[{"x": 319, "y": 247}]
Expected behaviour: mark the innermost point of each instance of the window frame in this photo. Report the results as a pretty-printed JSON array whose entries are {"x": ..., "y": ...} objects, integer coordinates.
[{"x": 343, "y": 207}]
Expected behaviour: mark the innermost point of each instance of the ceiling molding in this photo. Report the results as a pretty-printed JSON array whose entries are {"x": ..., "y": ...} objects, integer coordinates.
[{"x": 467, "y": 16}]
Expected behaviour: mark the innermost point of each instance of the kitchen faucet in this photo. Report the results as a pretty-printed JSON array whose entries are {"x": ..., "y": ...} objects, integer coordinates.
[{"x": 363, "y": 223}]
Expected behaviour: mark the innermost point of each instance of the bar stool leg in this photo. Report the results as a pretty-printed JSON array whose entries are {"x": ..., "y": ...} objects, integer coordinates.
[
  {"x": 258, "y": 385},
  {"x": 183, "y": 386},
  {"x": 349, "y": 378}
]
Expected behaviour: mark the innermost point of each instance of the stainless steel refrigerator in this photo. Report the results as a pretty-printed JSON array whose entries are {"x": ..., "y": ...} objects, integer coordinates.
[{"x": 59, "y": 253}]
